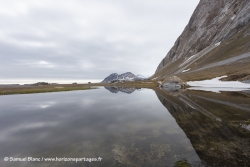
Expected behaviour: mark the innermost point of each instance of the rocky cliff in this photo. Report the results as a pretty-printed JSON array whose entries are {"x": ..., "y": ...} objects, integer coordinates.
[{"x": 218, "y": 26}]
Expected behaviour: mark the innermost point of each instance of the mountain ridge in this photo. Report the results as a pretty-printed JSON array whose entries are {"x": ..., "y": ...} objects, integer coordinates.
[
  {"x": 212, "y": 21},
  {"x": 127, "y": 76},
  {"x": 218, "y": 33}
]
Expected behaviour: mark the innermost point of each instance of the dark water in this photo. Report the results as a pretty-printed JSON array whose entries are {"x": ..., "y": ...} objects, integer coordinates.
[{"x": 126, "y": 127}]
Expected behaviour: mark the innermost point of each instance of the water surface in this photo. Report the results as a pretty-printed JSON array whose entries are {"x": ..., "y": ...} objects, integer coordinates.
[{"x": 127, "y": 127}]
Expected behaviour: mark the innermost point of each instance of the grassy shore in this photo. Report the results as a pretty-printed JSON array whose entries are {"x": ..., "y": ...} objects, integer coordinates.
[
  {"x": 23, "y": 89},
  {"x": 20, "y": 89}
]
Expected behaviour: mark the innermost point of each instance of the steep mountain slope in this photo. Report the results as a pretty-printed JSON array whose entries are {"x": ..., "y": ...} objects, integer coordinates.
[{"x": 215, "y": 42}]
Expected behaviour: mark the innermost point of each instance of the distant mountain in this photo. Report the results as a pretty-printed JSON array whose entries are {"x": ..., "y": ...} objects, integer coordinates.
[
  {"x": 110, "y": 78},
  {"x": 128, "y": 76}
]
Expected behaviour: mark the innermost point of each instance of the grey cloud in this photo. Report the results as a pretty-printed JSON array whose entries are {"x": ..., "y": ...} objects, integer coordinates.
[{"x": 87, "y": 39}]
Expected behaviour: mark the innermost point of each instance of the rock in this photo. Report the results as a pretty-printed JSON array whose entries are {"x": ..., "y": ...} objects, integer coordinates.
[
  {"x": 172, "y": 83},
  {"x": 246, "y": 81},
  {"x": 213, "y": 21}
]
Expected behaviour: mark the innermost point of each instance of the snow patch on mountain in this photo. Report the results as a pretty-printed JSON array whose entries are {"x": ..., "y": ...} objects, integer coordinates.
[
  {"x": 217, "y": 44},
  {"x": 186, "y": 70}
]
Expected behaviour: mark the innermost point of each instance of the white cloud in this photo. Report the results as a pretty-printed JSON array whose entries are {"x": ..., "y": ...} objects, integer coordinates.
[
  {"x": 36, "y": 64},
  {"x": 45, "y": 64}
]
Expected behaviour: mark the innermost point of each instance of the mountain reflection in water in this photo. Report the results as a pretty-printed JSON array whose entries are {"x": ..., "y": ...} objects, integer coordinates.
[
  {"x": 217, "y": 124},
  {"x": 114, "y": 89},
  {"x": 145, "y": 128}
]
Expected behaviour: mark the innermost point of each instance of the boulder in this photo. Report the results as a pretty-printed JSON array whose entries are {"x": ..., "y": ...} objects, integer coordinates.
[{"x": 172, "y": 83}]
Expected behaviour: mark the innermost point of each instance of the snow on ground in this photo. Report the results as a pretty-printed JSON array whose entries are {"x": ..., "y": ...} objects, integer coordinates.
[
  {"x": 215, "y": 85},
  {"x": 186, "y": 70},
  {"x": 217, "y": 44},
  {"x": 218, "y": 90}
]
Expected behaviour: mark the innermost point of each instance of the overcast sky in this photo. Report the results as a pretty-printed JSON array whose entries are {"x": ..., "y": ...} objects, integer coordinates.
[{"x": 80, "y": 39}]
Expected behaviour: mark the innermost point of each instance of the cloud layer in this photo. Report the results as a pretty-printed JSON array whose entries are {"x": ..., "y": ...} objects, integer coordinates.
[{"x": 87, "y": 39}]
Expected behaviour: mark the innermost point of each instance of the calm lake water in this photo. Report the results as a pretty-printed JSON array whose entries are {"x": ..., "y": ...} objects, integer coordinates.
[{"x": 126, "y": 127}]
